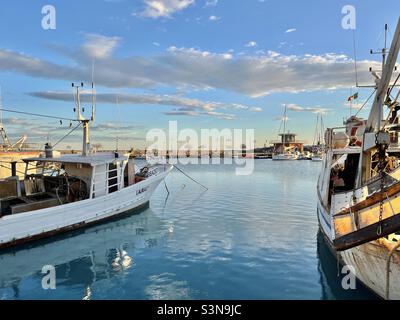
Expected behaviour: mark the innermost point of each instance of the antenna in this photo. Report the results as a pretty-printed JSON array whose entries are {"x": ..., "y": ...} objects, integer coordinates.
[
  {"x": 85, "y": 122},
  {"x": 382, "y": 52},
  {"x": 77, "y": 109},
  {"x": 93, "y": 95},
  {"x": 355, "y": 56},
  {"x": 119, "y": 122}
]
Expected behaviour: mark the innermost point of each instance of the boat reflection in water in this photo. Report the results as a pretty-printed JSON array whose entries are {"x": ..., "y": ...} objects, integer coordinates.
[
  {"x": 331, "y": 276},
  {"x": 80, "y": 258}
]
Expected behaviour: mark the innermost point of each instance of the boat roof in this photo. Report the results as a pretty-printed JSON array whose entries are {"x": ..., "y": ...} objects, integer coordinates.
[{"x": 92, "y": 159}]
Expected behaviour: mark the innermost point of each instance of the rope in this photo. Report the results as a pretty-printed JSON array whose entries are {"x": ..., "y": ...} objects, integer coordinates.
[
  {"x": 165, "y": 184},
  {"x": 190, "y": 177}
]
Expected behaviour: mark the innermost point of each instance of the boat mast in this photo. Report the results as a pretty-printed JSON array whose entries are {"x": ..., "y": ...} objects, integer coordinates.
[
  {"x": 284, "y": 128},
  {"x": 374, "y": 122},
  {"x": 321, "y": 137},
  {"x": 7, "y": 143},
  {"x": 85, "y": 122}
]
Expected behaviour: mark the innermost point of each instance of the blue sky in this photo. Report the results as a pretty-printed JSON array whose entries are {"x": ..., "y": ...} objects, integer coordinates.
[{"x": 205, "y": 63}]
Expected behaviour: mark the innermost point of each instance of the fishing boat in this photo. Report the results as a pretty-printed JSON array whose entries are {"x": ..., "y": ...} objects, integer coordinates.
[
  {"x": 285, "y": 156},
  {"x": 67, "y": 192},
  {"x": 359, "y": 187},
  {"x": 286, "y": 148}
]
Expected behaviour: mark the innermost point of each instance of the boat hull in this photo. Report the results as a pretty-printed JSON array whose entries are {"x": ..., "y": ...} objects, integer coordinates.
[
  {"x": 25, "y": 227},
  {"x": 284, "y": 157},
  {"x": 368, "y": 260}
]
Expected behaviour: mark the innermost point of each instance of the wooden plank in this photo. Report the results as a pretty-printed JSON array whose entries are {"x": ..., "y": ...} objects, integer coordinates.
[
  {"x": 367, "y": 234},
  {"x": 373, "y": 199},
  {"x": 34, "y": 206}
]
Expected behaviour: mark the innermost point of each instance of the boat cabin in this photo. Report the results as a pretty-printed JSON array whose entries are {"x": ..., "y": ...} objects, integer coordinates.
[{"x": 54, "y": 181}]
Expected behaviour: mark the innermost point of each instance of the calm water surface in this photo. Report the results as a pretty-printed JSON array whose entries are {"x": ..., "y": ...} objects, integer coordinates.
[{"x": 248, "y": 237}]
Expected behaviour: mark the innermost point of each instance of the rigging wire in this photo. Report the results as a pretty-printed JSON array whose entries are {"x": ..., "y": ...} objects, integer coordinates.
[
  {"x": 5, "y": 167},
  {"x": 366, "y": 101},
  {"x": 67, "y": 134},
  {"x": 355, "y": 56},
  {"x": 37, "y": 115}
]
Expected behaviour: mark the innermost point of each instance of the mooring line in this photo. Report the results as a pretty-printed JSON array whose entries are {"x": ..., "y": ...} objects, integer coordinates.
[{"x": 190, "y": 177}]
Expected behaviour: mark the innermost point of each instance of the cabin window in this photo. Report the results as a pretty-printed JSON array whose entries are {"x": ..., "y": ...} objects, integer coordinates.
[{"x": 112, "y": 178}]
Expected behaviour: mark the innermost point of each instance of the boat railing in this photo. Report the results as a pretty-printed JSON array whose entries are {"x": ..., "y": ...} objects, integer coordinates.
[
  {"x": 329, "y": 134},
  {"x": 103, "y": 185},
  {"x": 288, "y": 142}
]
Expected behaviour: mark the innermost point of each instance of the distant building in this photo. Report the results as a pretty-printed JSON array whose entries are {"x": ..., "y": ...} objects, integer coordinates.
[{"x": 288, "y": 141}]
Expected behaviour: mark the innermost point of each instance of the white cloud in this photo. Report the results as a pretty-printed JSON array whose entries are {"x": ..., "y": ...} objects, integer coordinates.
[
  {"x": 357, "y": 105},
  {"x": 251, "y": 44},
  {"x": 156, "y": 44},
  {"x": 297, "y": 108},
  {"x": 17, "y": 121},
  {"x": 211, "y": 3},
  {"x": 186, "y": 106},
  {"x": 164, "y": 8},
  {"x": 282, "y": 118},
  {"x": 290, "y": 30},
  {"x": 190, "y": 68},
  {"x": 214, "y": 18},
  {"x": 98, "y": 46}
]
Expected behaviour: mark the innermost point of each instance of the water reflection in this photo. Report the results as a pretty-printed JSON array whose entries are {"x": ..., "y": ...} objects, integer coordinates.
[
  {"x": 247, "y": 237},
  {"x": 81, "y": 258}
]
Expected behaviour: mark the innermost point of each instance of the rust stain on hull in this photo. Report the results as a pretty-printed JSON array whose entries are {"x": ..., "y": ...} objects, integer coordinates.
[{"x": 369, "y": 261}]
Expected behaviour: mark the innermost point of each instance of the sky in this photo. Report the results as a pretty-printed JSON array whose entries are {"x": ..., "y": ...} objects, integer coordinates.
[{"x": 204, "y": 63}]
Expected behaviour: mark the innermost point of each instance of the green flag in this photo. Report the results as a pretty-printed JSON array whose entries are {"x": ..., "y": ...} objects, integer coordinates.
[{"x": 354, "y": 96}]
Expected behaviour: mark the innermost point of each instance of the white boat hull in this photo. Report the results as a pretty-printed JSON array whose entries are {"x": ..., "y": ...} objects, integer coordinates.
[
  {"x": 24, "y": 227},
  {"x": 284, "y": 156},
  {"x": 368, "y": 260}
]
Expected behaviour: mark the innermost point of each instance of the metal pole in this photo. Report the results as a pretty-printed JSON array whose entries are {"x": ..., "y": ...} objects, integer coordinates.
[
  {"x": 86, "y": 140},
  {"x": 13, "y": 168}
]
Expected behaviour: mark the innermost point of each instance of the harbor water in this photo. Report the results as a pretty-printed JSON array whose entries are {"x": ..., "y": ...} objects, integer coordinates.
[{"x": 247, "y": 237}]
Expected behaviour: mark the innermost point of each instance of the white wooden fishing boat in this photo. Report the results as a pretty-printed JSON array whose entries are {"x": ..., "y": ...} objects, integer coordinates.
[
  {"x": 63, "y": 193},
  {"x": 285, "y": 156},
  {"x": 359, "y": 188}
]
